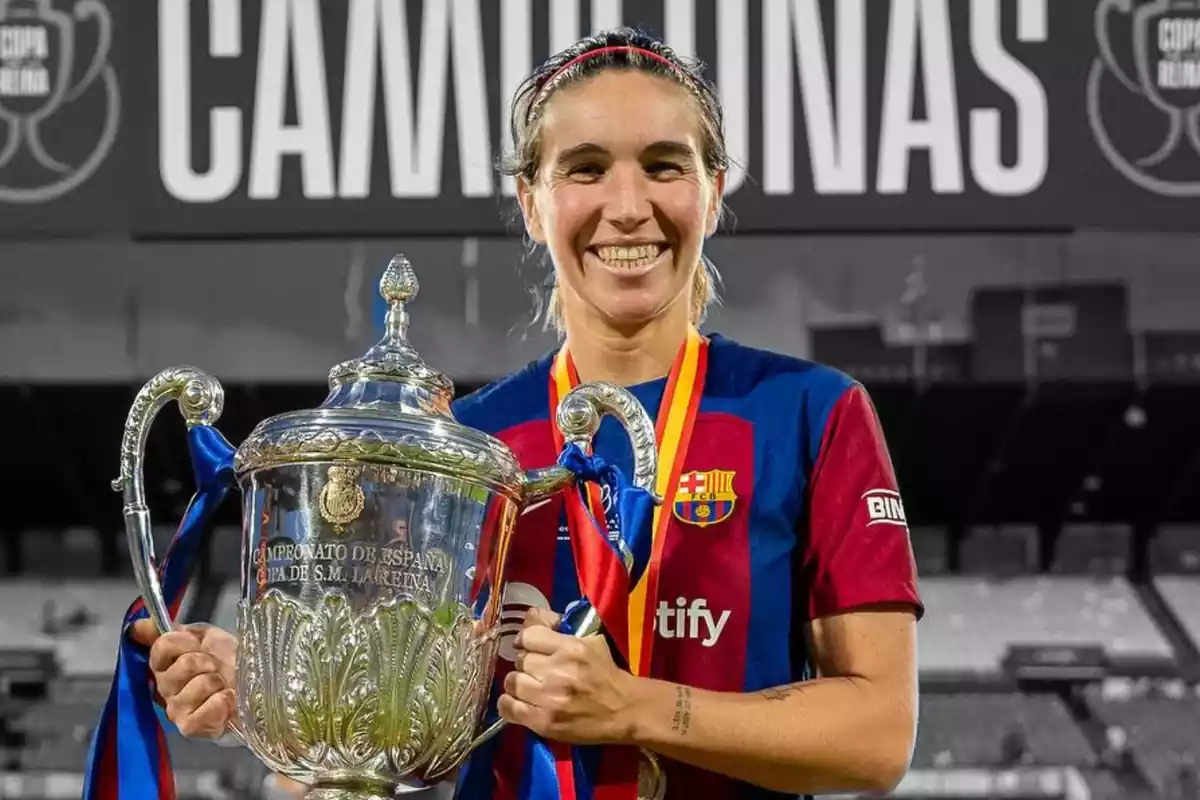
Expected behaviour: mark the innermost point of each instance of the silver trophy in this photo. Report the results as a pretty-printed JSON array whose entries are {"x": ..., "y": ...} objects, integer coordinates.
[{"x": 364, "y": 665}]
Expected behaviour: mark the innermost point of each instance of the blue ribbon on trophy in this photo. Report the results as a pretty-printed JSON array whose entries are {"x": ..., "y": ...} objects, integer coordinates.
[
  {"x": 634, "y": 508},
  {"x": 634, "y": 515},
  {"x": 128, "y": 759}
]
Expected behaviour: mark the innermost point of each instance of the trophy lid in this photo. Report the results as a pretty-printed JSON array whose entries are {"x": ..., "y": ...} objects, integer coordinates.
[
  {"x": 391, "y": 372},
  {"x": 386, "y": 407}
]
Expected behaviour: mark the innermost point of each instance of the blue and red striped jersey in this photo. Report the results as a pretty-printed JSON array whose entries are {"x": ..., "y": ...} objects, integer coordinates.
[{"x": 790, "y": 512}]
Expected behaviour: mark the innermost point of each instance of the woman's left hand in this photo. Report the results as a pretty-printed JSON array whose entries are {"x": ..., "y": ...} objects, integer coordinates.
[{"x": 567, "y": 689}]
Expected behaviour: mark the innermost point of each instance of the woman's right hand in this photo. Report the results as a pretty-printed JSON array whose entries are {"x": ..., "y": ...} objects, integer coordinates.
[{"x": 193, "y": 669}]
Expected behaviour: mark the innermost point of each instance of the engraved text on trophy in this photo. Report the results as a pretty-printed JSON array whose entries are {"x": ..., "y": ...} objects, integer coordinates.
[{"x": 394, "y": 566}]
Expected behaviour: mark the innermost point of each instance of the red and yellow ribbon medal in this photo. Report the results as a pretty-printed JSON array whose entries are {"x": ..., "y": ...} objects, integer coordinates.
[{"x": 673, "y": 432}]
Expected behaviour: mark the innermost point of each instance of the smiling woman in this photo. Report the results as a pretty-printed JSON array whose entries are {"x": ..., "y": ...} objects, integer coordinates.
[
  {"x": 623, "y": 209},
  {"x": 620, "y": 164},
  {"x": 769, "y": 645}
]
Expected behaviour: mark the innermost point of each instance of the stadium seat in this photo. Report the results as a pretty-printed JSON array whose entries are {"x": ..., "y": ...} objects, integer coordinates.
[
  {"x": 1000, "y": 550},
  {"x": 931, "y": 549},
  {"x": 1093, "y": 549}
]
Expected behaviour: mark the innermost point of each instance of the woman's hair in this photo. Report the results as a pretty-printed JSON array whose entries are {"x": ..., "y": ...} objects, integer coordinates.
[{"x": 624, "y": 49}]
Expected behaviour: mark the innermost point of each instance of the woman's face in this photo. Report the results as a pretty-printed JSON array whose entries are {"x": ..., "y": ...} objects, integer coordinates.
[{"x": 622, "y": 200}]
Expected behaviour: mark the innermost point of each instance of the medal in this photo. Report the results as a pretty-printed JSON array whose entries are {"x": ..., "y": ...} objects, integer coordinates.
[{"x": 651, "y": 781}]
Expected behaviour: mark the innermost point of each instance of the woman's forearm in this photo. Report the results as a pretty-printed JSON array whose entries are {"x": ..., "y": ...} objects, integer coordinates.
[{"x": 822, "y": 736}]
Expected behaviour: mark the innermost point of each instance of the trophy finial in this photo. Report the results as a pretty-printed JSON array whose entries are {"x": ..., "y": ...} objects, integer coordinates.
[
  {"x": 398, "y": 286},
  {"x": 391, "y": 374},
  {"x": 399, "y": 281}
]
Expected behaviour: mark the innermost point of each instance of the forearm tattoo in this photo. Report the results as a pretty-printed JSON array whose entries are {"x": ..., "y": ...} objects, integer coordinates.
[
  {"x": 782, "y": 692},
  {"x": 682, "y": 719}
]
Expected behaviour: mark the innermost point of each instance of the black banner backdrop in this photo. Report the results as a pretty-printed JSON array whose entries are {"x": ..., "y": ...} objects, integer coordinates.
[{"x": 386, "y": 117}]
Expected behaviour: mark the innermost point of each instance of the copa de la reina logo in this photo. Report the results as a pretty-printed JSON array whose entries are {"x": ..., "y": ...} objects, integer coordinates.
[
  {"x": 59, "y": 97},
  {"x": 1143, "y": 92}
]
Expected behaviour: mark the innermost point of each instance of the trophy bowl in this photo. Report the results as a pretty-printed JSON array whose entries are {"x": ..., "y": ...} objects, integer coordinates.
[{"x": 370, "y": 525}]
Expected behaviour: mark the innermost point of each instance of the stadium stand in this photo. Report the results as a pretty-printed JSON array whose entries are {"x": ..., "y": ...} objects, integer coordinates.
[{"x": 1055, "y": 525}]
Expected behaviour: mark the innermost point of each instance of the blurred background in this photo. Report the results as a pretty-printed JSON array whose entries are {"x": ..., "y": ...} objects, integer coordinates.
[{"x": 988, "y": 212}]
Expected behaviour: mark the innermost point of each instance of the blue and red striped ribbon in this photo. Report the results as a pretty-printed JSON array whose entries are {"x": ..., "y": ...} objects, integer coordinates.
[
  {"x": 552, "y": 770},
  {"x": 128, "y": 759},
  {"x": 624, "y": 588}
]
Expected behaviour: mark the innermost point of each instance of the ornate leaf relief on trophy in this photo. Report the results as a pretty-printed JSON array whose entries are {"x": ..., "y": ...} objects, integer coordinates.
[{"x": 327, "y": 688}]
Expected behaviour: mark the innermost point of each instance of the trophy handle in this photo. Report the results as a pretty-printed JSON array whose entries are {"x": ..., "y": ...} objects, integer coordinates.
[
  {"x": 578, "y": 417},
  {"x": 201, "y": 400}
]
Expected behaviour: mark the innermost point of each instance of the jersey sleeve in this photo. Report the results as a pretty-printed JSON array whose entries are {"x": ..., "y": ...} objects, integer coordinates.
[{"x": 857, "y": 550}]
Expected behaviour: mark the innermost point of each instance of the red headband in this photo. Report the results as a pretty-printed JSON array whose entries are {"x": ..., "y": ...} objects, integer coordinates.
[{"x": 600, "y": 51}]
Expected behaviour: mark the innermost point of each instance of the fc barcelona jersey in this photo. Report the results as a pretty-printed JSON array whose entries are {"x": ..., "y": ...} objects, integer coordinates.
[{"x": 787, "y": 511}]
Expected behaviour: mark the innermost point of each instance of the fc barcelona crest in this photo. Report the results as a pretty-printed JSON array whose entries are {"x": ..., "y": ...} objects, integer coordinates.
[{"x": 705, "y": 498}]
